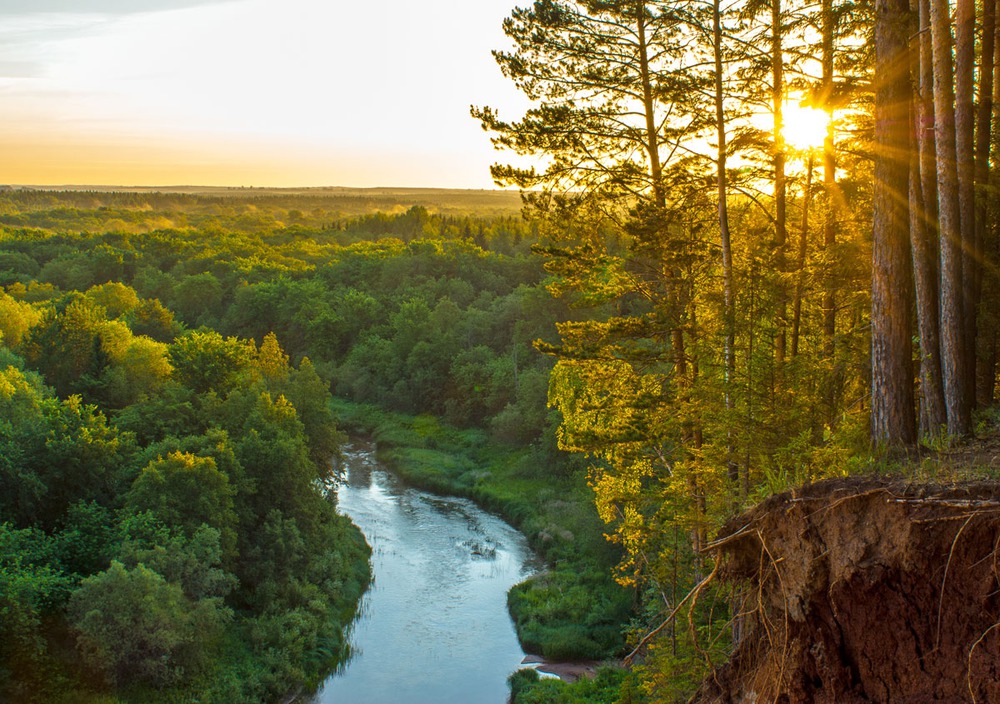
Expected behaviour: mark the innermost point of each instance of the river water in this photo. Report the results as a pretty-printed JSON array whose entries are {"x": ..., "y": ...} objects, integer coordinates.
[{"x": 433, "y": 627}]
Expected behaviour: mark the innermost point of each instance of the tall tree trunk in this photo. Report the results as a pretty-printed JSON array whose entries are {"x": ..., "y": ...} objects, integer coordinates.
[
  {"x": 949, "y": 224},
  {"x": 892, "y": 378},
  {"x": 652, "y": 144},
  {"x": 965, "y": 46},
  {"x": 965, "y": 22},
  {"x": 984, "y": 135},
  {"x": 722, "y": 188},
  {"x": 990, "y": 281},
  {"x": 832, "y": 200},
  {"x": 780, "y": 182},
  {"x": 800, "y": 263},
  {"x": 649, "y": 107},
  {"x": 932, "y": 410},
  {"x": 923, "y": 232}
]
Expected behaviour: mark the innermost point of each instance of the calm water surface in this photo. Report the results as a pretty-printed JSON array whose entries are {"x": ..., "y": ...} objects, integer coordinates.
[{"x": 433, "y": 627}]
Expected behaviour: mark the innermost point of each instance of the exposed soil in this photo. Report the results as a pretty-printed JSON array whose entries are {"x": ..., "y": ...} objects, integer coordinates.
[
  {"x": 566, "y": 671},
  {"x": 864, "y": 591}
]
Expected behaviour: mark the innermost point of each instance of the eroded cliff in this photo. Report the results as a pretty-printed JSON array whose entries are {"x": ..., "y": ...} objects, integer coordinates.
[{"x": 864, "y": 591}]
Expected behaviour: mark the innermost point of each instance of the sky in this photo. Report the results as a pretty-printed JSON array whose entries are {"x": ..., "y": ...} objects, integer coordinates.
[{"x": 250, "y": 92}]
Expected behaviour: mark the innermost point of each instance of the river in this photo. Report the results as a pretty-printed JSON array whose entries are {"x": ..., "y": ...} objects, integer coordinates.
[{"x": 433, "y": 627}]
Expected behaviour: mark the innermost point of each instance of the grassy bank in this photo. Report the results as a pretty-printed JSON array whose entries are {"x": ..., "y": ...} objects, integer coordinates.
[{"x": 573, "y": 609}]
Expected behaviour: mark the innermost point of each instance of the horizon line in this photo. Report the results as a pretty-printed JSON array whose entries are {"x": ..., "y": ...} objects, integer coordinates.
[{"x": 175, "y": 187}]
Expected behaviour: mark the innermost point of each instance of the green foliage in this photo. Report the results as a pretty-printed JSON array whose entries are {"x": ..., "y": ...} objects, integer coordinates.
[
  {"x": 16, "y": 319},
  {"x": 133, "y": 626},
  {"x": 193, "y": 562},
  {"x": 116, "y": 298},
  {"x": 190, "y": 522},
  {"x": 32, "y": 586},
  {"x": 206, "y": 361},
  {"x": 53, "y": 453},
  {"x": 186, "y": 491},
  {"x": 606, "y": 687},
  {"x": 568, "y": 615},
  {"x": 88, "y": 538},
  {"x": 79, "y": 350}
]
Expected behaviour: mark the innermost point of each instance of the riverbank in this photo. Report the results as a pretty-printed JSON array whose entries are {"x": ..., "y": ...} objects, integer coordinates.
[{"x": 566, "y": 671}]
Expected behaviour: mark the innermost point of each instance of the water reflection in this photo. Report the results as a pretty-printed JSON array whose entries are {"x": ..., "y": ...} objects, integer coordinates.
[{"x": 434, "y": 625}]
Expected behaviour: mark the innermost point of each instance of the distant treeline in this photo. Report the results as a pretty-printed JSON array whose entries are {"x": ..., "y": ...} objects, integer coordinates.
[{"x": 46, "y": 208}]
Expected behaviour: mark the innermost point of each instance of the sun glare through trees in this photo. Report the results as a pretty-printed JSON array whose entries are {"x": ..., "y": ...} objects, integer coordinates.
[{"x": 805, "y": 127}]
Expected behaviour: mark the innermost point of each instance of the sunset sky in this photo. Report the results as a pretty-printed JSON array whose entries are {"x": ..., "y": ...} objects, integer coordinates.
[{"x": 249, "y": 92}]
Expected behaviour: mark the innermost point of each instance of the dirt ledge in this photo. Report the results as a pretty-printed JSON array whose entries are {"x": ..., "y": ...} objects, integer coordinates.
[{"x": 864, "y": 591}]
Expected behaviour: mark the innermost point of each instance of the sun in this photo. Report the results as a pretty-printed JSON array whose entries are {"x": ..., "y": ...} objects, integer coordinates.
[{"x": 805, "y": 127}]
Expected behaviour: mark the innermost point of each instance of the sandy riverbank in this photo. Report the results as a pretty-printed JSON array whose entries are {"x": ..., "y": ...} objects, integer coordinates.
[{"x": 566, "y": 671}]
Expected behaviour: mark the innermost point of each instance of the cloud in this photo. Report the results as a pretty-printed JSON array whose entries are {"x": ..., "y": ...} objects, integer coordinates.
[{"x": 110, "y": 7}]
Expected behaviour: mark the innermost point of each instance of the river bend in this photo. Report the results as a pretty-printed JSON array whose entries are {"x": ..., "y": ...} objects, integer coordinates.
[{"x": 433, "y": 628}]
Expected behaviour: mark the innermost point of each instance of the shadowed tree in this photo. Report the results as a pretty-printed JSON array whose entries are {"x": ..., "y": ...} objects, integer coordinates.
[{"x": 892, "y": 377}]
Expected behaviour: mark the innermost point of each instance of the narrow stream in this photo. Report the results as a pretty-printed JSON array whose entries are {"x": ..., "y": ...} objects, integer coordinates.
[{"x": 433, "y": 627}]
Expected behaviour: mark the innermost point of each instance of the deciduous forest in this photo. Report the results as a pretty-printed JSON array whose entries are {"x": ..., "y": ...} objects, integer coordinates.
[{"x": 756, "y": 249}]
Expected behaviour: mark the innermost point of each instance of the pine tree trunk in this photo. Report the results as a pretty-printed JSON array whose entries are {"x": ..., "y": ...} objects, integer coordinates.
[
  {"x": 965, "y": 42},
  {"x": 832, "y": 200},
  {"x": 722, "y": 188},
  {"x": 923, "y": 233},
  {"x": 949, "y": 224},
  {"x": 990, "y": 281},
  {"x": 780, "y": 182},
  {"x": 800, "y": 263},
  {"x": 649, "y": 107},
  {"x": 949, "y": 218},
  {"x": 984, "y": 136},
  {"x": 892, "y": 378}
]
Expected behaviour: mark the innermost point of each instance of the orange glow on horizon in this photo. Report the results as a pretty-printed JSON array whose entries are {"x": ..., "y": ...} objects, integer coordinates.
[
  {"x": 53, "y": 159},
  {"x": 264, "y": 92}
]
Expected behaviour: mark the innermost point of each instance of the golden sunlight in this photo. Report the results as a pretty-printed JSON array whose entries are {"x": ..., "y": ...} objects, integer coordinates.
[{"x": 805, "y": 127}]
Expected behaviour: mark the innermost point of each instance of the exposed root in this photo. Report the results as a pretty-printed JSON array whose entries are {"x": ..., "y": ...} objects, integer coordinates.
[
  {"x": 944, "y": 579},
  {"x": 968, "y": 669}
]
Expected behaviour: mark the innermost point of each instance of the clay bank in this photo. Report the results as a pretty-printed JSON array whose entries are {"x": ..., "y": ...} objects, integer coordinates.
[{"x": 864, "y": 591}]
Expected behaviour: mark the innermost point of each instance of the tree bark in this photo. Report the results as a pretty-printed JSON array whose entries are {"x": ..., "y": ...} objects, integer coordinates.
[
  {"x": 892, "y": 378},
  {"x": 991, "y": 282},
  {"x": 722, "y": 187},
  {"x": 832, "y": 200},
  {"x": 800, "y": 264},
  {"x": 923, "y": 232},
  {"x": 965, "y": 42},
  {"x": 780, "y": 182},
  {"x": 949, "y": 224},
  {"x": 984, "y": 136},
  {"x": 649, "y": 107}
]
